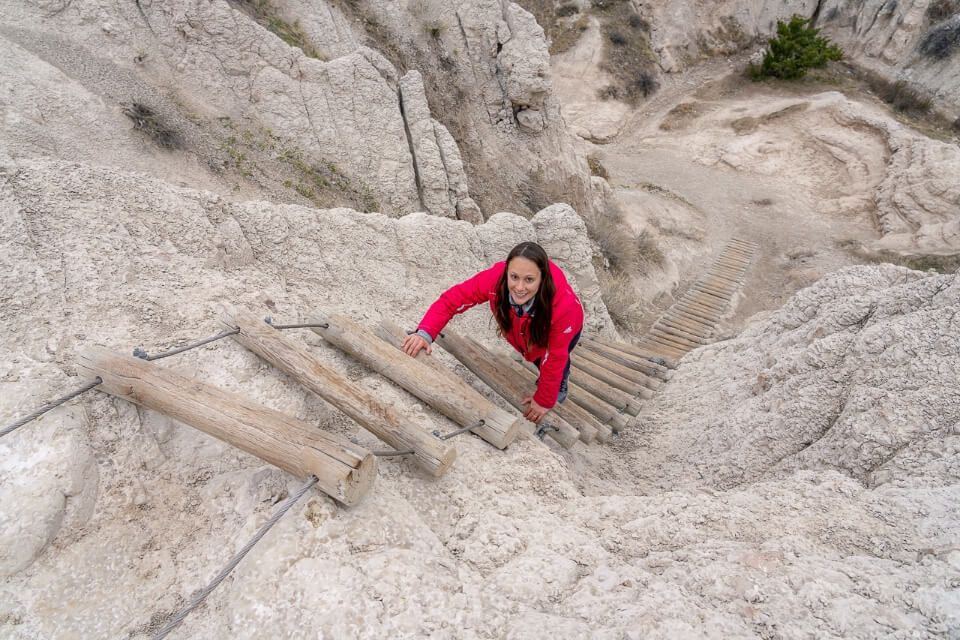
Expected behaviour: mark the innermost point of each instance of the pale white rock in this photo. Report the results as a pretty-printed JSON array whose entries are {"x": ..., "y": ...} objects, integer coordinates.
[
  {"x": 468, "y": 210},
  {"x": 524, "y": 60},
  {"x": 431, "y": 175},
  {"x": 562, "y": 233},
  {"x": 888, "y": 38},
  {"x": 502, "y": 232},
  {"x": 49, "y": 478},
  {"x": 530, "y": 120},
  {"x": 533, "y": 625},
  {"x": 452, "y": 164}
]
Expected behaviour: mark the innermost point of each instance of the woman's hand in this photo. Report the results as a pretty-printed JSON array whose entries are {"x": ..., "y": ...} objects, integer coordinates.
[
  {"x": 413, "y": 343},
  {"x": 534, "y": 412}
]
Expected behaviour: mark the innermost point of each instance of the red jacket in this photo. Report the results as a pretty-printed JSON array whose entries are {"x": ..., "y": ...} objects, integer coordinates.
[{"x": 566, "y": 322}]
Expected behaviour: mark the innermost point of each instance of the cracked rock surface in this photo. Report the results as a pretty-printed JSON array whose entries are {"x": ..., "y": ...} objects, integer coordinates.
[{"x": 799, "y": 479}]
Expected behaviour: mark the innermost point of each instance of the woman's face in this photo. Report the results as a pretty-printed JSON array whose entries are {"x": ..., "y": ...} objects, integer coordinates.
[{"x": 523, "y": 279}]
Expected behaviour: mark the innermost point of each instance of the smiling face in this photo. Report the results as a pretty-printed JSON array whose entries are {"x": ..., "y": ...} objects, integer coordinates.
[{"x": 523, "y": 279}]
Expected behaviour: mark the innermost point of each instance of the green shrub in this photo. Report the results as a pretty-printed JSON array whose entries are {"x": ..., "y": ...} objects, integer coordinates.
[{"x": 797, "y": 48}]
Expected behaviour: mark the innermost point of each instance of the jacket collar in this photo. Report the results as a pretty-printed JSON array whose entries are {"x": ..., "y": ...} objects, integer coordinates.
[{"x": 524, "y": 309}]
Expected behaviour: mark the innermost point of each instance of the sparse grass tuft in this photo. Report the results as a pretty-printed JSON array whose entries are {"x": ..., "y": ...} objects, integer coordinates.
[
  {"x": 292, "y": 33},
  {"x": 648, "y": 251},
  {"x": 596, "y": 167},
  {"x": 622, "y": 248},
  {"x": 620, "y": 297},
  {"x": 940, "y": 10},
  {"x": 565, "y": 36},
  {"x": 146, "y": 120},
  {"x": 628, "y": 56},
  {"x": 901, "y": 95},
  {"x": 681, "y": 116}
]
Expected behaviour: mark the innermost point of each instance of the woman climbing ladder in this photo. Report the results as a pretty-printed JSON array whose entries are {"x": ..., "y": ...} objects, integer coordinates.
[{"x": 536, "y": 311}]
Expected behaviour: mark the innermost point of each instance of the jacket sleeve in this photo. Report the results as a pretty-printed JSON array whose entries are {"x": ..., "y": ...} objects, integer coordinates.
[
  {"x": 563, "y": 329},
  {"x": 458, "y": 299}
]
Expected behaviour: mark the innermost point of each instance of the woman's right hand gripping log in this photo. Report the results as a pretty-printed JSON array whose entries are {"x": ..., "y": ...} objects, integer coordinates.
[{"x": 413, "y": 343}]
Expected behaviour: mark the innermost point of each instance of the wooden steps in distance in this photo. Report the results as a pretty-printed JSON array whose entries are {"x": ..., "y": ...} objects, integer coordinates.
[{"x": 691, "y": 321}]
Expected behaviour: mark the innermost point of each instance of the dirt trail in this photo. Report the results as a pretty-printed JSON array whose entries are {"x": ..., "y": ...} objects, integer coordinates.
[
  {"x": 737, "y": 159},
  {"x": 712, "y": 155}
]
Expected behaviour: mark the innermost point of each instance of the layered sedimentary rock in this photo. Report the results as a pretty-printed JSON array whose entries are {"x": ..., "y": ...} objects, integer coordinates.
[{"x": 321, "y": 95}]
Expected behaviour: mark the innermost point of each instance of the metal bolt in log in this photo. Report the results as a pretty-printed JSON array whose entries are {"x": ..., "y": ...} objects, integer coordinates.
[
  {"x": 460, "y": 403},
  {"x": 293, "y": 358},
  {"x": 345, "y": 471}
]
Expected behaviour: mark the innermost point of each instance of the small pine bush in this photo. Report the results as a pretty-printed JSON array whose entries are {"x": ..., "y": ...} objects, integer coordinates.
[{"x": 797, "y": 48}]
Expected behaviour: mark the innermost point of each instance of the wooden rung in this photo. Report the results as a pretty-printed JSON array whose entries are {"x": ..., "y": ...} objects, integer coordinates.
[
  {"x": 677, "y": 320},
  {"x": 675, "y": 332},
  {"x": 345, "y": 471},
  {"x": 609, "y": 394},
  {"x": 635, "y": 363},
  {"x": 667, "y": 351},
  {"x": 727, "y": 288},
  {"x": 496, "y": 375},
  {"x": 294, "y": 359},
  {"x": 648, "y": 382},
  {"x": 723, "y": 295},
  {"x": 707, "y": 303},
  {"x": 461, "y": 403},
  {"x": 393, "y": 334},
  {"x": 702, "y": 316},
  {"x": 638, "y": 351},
  {"x": 680, "y": 343},
  {"x": 627, "y": 386}
]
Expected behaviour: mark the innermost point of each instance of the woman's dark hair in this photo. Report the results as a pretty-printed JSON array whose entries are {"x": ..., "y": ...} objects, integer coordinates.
[{"x": 543, "y": 302}]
